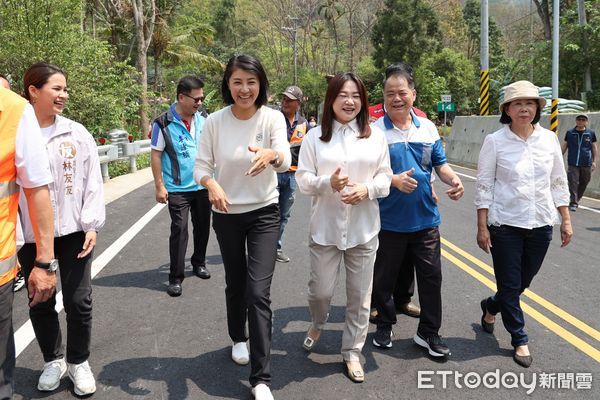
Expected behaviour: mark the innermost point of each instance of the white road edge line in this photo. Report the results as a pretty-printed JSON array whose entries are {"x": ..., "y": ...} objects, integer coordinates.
[
  {"x": 582, "y": 207},
  {"x": 25, "y": 335}
]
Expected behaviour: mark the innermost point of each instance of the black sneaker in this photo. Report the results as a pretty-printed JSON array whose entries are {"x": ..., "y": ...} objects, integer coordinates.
[
  {"x": 573, "y": 207},
  {"x": 383, "y": 337},
  {"x": 201, "y": 272},
  {"x": 281, "y": 257},
  {"x": 174, "y": 289},
  {"x": 434, "y": 344},
  {"x": 19, "y": 282}
]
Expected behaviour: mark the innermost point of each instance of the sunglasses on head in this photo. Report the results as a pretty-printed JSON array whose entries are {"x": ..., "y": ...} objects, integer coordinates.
[{"x": 196, "y": 99}]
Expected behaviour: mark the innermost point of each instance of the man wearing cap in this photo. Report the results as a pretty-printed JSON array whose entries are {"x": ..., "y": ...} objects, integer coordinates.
[
  {"x": 582, "y": 157},
  {"x": 286, "y": 181}
]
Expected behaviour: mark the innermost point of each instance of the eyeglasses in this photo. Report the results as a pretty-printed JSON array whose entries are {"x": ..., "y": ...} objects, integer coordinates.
[{"x": 196, "y": 99}]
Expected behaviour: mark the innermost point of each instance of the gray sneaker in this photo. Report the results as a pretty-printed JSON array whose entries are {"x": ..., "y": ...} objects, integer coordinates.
[
  {"x": 282, "y": 258},
  {"x": 51, "y": 374}
]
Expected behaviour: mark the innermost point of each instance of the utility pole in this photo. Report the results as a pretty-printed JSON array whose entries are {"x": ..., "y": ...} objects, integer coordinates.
[
  {"x": 555, "y": 47},
  {"x": 587, "y": 74},
  {"x": 484, "y": 76},
  {"x": 294, "y": 31}
]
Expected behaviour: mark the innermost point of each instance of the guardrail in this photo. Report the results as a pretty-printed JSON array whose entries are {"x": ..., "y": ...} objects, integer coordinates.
[{"x": 130, "y": 151}]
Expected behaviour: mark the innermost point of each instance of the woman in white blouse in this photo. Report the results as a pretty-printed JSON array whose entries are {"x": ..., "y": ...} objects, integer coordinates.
[
  {"x": 344, "y": 164},
  {"x": 521, "y": 182}
]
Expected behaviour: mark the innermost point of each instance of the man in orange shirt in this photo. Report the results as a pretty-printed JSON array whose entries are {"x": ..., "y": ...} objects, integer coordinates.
[{"x": 23, "y": 163}]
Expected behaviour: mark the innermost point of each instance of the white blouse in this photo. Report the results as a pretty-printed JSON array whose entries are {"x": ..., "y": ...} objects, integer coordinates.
[
  {"x": 521, "y": 182},
  {"x": 366, "y": 161}
]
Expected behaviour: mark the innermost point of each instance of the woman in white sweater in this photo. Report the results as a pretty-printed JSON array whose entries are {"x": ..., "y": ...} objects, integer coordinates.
[
  {"x": 241, "y": 148},
  {"x": 78, "y": 202},
  {"x": 345, "y": 165}
]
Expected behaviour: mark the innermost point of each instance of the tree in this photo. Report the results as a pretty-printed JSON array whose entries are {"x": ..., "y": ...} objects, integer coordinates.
[
  {"x": 472, "y": 17},
  {"x": 459, "y": 74},
  {"x": 404, "y": 31},
  {"x": 144, "y": 28}
]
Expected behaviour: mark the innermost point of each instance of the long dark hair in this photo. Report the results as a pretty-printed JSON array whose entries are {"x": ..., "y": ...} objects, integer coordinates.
[
  {"x": 333, "y": 89},
  {"x": 38, "y": 74},
  {"x": 250, "y": 64}
]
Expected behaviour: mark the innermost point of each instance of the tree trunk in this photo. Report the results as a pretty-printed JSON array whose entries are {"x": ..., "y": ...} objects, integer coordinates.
[
  {"x": 543, "y": 9},
  {"x": 143, "y": 33},
  {"x": 587, "y": 74}
]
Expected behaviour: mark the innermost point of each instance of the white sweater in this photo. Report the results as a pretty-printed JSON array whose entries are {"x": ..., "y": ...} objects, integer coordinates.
[{"x": 223, "y": 154}]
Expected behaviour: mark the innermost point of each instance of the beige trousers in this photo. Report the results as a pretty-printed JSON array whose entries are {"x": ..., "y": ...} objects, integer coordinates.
[{"x": 325, "y": 264}]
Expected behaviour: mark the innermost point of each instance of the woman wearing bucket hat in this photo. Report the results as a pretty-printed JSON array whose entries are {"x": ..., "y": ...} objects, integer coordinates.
[{"x": 521, "y": 183}]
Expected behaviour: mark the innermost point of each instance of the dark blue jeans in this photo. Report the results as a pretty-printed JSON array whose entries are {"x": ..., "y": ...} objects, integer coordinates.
[
  {"x": 518, "y": 254},
  {"x": 286, "y": 185}
]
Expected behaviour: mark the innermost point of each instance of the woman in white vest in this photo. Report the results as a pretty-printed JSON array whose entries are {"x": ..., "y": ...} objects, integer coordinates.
[{"x": 78, "y": 202}]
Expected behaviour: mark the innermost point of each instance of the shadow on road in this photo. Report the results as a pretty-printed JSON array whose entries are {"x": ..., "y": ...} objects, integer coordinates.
[{"x": 154, "y": 279}]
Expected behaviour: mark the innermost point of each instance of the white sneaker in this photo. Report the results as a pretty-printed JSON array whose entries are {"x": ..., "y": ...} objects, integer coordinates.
[
  {"x": 262, "y": 392},
  {"x": 51, "y": 374},
  {"x": 239, "y": 353},
  {"x": 82, "y": 378}
]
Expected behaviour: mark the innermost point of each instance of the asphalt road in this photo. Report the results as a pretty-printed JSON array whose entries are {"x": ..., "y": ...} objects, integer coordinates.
[{"x": 147, "y": 345}]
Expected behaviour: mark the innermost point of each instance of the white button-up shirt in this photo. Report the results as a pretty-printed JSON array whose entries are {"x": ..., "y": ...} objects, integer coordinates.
[
  {"x": 366, "y": 161},
  {"x": 521, "y": 182}
]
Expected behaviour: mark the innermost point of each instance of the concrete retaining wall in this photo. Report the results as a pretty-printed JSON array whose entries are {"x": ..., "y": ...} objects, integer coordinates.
[{"x": 466, "y": 138}]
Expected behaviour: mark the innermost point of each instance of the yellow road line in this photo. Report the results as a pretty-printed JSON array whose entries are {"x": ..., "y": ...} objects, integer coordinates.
[
  {"x": 529, "y": 310},
  {"x": 531, "y": 295}
]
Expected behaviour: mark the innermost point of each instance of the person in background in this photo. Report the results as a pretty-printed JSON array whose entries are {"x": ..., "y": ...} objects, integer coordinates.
[
  {"x": 580, "y": 141},
  {"x": 521, "y": 182},
  {"x": 286, "y": 181},
  {"x": 241, "y": 149},
  {"x": 344, "y": 165},
  {"x": 78, "y": 198},
  {"x": 312, "y": 122},
  {"x": 410, "y": 217},
  {"x": 175, "y": 136},
  {"x": 4, "y": 82},
  {"x": 23, "y": 163},
  {"x": 19, "y": 278}
]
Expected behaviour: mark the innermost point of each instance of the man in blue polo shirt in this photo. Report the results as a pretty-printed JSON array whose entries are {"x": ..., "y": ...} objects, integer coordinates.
[
  {"x": 175, "y": 137},
  {"x": 582, "y": 157},
  {"x": 409, "y": 215}
]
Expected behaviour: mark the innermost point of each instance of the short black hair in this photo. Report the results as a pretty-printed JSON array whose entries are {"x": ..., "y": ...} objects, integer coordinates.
[
  {"x": 189, "y": 83},
  {"x": 505, "y": 119},
  {"x": 402, "y": 69},
  {"x": 250, "y": 64}
]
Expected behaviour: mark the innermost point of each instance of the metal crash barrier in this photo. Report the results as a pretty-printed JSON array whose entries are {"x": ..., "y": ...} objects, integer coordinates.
[{"x": 121, "y": 149}]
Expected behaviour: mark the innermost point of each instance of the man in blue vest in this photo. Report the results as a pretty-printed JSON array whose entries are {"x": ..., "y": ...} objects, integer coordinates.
[
  {"x": 175, "y": 137},
  {"x": 582, "y": 157}
]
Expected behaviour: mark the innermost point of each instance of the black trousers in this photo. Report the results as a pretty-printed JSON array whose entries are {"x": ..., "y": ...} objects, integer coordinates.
[
  {"x": 404, "y": 289},
  {"x": 76, "y": 285},
  {"x": 424, "y": 248},
  {"x": 181, "y": 204},
  {"x": 7, "y": 342},
  {"x": 248, "y": 278},
  {"x": 578, "y": 178}
]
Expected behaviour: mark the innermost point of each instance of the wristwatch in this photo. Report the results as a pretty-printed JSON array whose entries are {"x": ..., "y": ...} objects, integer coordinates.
[
  {"x": 51, "y": 266},
  {"x": 276, "y": 160}
]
